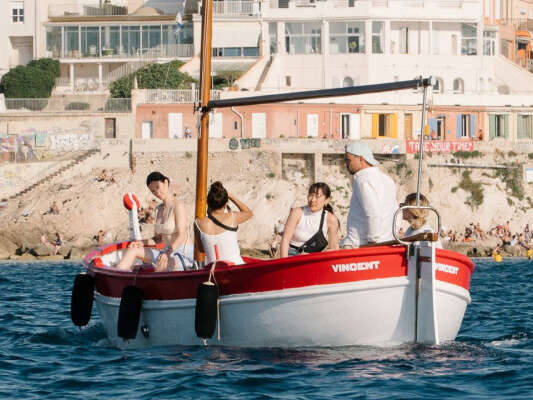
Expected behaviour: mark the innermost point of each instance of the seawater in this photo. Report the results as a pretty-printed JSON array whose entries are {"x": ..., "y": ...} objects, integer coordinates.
[{"x": 43, "y": 356}]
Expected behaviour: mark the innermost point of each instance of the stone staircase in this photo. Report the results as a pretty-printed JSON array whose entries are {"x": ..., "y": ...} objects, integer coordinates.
[
  {"x": 79, "y": 159},
  {"x": 264, "y": 73}
]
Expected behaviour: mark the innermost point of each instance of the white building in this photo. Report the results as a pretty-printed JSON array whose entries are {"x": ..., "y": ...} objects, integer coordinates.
[{"x": 281, "y": 44}]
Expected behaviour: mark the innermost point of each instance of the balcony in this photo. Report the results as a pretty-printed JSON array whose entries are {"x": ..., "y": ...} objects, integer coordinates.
[
  {"x": 169, "y": 96},
  {"x": 79, "y": 10},
  {"x": 234, "y": 8},
  {"x": 184, "y": 50}
]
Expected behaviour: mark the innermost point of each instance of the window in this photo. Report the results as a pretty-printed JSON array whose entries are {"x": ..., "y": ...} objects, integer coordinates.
[
  {"x": 235, "y": 51},
  {"x": 347, "y": 82},
  {"x": 53, "y": 41},
  {"x": 458, "y": 85},
  {"x": 17, "y": 11},
  {"x": 525, "y": 127},
  {"x": 347, "y": 37},
  {"x": 384, "y": 125},
  {"x": 303, "y": 37},
  {"x": 489, "y": 43},
  {"x": 438, "y": 87},
  {"x": 377, "y": 37},
  {"x": 466, "y": 126},
  {"x": 273, "y": 35},
  {"x": 469, "y": 40},
  {"x": 498, "y": 126},
  {"x": 287, "y": 80}
]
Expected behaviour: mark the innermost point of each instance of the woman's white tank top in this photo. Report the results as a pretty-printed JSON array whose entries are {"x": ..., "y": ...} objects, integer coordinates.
[
  {"x": 227, "y": 243},
  {"x": 308, "y": 226}
]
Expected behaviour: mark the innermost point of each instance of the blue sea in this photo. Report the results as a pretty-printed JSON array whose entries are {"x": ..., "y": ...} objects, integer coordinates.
[{"x": 43, "y": 356}]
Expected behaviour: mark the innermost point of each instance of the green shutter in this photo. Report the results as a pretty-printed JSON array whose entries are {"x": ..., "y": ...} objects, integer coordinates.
[
  {"x": 506, "y": 127},
  {"x": 520, "y": 127},
  {"x": 492, "y": 126}
]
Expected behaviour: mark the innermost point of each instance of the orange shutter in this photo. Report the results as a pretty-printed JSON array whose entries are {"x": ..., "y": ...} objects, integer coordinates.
[{"x": 375, "y": 125}]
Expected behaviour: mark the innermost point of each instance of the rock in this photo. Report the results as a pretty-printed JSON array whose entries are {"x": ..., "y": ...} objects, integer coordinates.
[
  {"x": 65, "y": 251},
  {"x": 23, "y": 257},
  {"x": 7, "y": 248},
  {"x": 42, "y": 251},
  {"x": 78, "y": 254},
  {"x": 514, "y": 251},
  {"x": 54, "y": 257}
]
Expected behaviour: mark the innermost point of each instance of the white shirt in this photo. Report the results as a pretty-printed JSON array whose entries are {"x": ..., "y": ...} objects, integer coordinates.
[
  {"x": 308, "y": 226},
  {"x": 424, "y": 228},
  {"x": 372, "y": 208}
]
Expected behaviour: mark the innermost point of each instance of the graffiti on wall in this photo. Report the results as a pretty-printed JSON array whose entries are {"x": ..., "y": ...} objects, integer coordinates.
[
  {"x": 440, "y": 146},
  {"x": 20, "y": 147},
  {"x": 72, "y": 142}
]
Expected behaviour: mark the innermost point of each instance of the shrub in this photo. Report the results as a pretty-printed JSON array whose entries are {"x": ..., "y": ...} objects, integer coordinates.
[
  {"x": 530, "y": 155},
  {"x": 512, "y": 178},
  {"x": 475, "y": 189},
  {"x": 154, "y": 76},
  {"x": 226, "y": 78},
  {"x": 77, "y": 106},
  {"x": 27, "y": 83},
  {"x": 47, "y": 64},
  {"x": 468, "y": 154}
]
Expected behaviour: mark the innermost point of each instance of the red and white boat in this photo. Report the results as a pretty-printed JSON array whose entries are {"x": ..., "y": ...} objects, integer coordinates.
[
  {"x": 382, "y": 295},
  {"x": 365, "y": 296}
]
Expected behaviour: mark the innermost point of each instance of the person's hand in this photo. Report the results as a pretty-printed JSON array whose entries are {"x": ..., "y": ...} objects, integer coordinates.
[
  {"x": 162, "y": 262},
  {"x": 136, "y": 245}
]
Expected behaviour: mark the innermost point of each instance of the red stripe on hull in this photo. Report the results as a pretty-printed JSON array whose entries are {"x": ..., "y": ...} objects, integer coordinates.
[{"x": 325, "y": 268}]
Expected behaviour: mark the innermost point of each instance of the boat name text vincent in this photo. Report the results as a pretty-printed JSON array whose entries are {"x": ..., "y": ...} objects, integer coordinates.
[{"x": 360, "y": 266}]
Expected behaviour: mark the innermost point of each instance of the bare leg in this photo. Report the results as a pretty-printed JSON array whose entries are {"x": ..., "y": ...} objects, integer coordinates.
[{"x": 133, "y": 253}]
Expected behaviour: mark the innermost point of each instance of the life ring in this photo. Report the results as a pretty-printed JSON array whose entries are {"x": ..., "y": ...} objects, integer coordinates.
[
  {"x": 129, "y": 312},
  {"x": 529, "y": 254},
  {"x": 81, "y": 301},
  {"x": 497, "y": 257}
]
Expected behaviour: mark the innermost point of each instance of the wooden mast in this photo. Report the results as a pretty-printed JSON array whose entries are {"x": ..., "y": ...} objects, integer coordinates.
[{"x": 203, "y": 138}]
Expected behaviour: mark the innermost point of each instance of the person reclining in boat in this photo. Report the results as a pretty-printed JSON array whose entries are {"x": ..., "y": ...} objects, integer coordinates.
[
  {"x": 373, "y": 201},
  {"x": 417, "y": 217},
  {"x": 170, "y": 228},
  {"x": 219, "y": 228},
  {"x": 307, "y": 227}
]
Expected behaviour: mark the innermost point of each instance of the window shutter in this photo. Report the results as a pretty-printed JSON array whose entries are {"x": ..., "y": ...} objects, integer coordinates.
[
  {"x": 506, "y": 126},
  {"x": 375, "y": 125},
  {"x": 472, "y": 125},
  {"x": 393, "y": 126},
  {"x": 432, "y": 126},
  {"x": 520, "y": 126},
  {"x": 492, "y": 126},
  {"x": 459, "y": 126}
]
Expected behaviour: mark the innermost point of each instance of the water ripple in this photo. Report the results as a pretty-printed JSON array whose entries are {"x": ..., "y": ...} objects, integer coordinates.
[{"x": 43, "y": 356}]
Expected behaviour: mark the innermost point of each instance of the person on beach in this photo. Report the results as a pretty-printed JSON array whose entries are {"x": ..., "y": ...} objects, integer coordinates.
[
  {"x": 308, "y": 227},
  {"x": 417, "y": 217},
  {"x": 170, "y": 229},
  {"x": 220, "y": 226},
  {"x": 373, "y": 200}
]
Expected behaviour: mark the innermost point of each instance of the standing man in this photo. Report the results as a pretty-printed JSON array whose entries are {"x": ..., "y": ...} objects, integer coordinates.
[{"x": 373, "y": 201}]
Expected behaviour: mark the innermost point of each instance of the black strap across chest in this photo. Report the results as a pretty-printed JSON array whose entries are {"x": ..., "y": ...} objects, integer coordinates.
[
  {"x": 315, "y": 243},
  {"x": 223, "y": 226}
]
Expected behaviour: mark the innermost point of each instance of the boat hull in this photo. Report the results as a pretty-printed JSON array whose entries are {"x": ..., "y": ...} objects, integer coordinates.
[{"x": 346, "y": 297}]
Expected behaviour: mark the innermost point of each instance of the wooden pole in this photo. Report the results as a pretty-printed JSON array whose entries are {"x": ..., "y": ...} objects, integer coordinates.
[{"x": 203, "y": 138}]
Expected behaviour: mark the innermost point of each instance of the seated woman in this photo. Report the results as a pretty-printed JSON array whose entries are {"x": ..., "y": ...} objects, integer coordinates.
[
  {"x": 307, "y": 227},
  {"x": 170, "y": 229},
  {"x": 219, "y": 228},
  {"x": 417, "y": 217}
]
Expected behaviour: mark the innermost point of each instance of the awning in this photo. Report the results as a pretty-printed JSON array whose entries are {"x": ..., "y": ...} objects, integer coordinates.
[{"x": 243, "y": 37}]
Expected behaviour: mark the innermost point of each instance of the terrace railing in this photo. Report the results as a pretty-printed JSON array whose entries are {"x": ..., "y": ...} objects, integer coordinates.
[
  {"x": 81, "y": 10},
  {"x": 60, "y": 104},
  {"x": 235, "y": 7},
  {"x": 161, "y": 96}
]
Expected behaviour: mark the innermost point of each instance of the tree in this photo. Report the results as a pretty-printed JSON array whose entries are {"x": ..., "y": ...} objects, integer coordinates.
[
  {"x": 226, "y": 78},
  {"x": 154, "y": 76}
]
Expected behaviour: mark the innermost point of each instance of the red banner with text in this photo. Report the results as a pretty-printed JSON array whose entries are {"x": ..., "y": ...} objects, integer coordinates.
[{"x": 439, "y": 146}]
